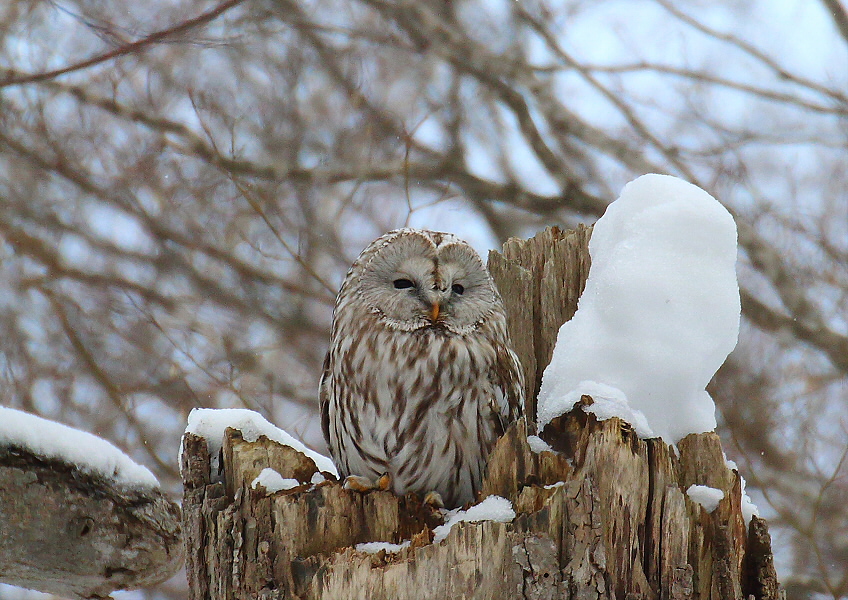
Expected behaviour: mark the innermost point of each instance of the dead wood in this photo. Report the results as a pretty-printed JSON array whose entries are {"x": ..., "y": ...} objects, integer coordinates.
[{"x": 77, "y": 535}]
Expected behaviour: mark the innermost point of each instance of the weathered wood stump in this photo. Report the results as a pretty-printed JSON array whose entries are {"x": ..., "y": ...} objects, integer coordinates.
[{"x": 602, "y": 515}]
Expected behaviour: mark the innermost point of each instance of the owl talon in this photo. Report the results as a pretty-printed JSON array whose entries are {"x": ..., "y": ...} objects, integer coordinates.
[
  {"x": 384, "y": 483},
  {"x": 357, "y": 483},
  {"x": 434, "y": 499},
  {"x": 361, "y": 484}
]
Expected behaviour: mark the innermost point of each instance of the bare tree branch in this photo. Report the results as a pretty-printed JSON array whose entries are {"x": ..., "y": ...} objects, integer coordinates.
[
  {"x": 12, "y": 78},
  {"x": 839, "y": 16}
]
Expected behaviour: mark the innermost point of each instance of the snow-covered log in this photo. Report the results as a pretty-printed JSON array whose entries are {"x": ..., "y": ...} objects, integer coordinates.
[
  {"x": 78, "y": 518},
  {"x": 598, "y": 512}
]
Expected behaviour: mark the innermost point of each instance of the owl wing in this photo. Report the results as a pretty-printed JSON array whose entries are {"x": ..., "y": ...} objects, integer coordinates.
[
  {"x": 508, "y": 380},
  {"x": 324, "y": 399}
]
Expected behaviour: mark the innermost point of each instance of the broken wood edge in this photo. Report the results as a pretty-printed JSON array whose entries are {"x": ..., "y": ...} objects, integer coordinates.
[{"x": 68, "y": 532}]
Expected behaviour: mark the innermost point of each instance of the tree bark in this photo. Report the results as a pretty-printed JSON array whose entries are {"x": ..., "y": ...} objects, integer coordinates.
[
  {"x": 73, "y": 534},
  {"x": 602, "y": 515}
]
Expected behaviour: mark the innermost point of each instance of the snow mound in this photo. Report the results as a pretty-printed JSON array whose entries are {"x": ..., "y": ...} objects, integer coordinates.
[
  {"x": 272, "y": 481},
  {"x": 210, "y": 424},
  {"x": 660, "y": 311},
  {"x": 493, "y": 508},
  {"x": 89, "y": 453},
  {"x": 706, "y": 496}
]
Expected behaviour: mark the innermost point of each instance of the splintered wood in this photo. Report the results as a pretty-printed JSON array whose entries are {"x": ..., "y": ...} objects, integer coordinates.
[{"x": 604, "y": 515}]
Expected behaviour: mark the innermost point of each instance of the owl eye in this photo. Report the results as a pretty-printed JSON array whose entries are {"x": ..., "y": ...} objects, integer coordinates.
[
  {"x": 458, "y": 289},
  {"x": 402, "y": 284}
]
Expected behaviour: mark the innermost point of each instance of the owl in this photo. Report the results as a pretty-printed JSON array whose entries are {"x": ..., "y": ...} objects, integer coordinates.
[{"x": 419, "y": 380}]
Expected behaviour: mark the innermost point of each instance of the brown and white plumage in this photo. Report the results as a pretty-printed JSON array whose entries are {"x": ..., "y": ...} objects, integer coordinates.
[{"x": 420, "y": 379}]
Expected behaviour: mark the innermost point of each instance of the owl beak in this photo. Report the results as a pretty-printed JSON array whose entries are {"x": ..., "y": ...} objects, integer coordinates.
[{"x": 434, "y": 311}]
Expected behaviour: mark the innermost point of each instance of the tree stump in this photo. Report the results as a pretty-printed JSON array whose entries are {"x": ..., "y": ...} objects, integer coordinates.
[{"x": 601, "y": 515}]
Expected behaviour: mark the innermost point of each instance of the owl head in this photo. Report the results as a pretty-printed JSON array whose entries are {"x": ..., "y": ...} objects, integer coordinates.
[{"x": 413, "y": 279}]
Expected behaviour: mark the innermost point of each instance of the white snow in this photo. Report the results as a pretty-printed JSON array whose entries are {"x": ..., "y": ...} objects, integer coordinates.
[
  {"x": 659, "y": 314},
  {"x": 86, "y": 451},
  {"x": 375, "y": 547},
  {"x": 749, "y": 509},
  {"x": 272, "y": 481},
  {"x": 706, "y": 496},
  {"x": 210, "y": 424},
  {"x": 608, "y": 402},
  {"x": 493, "y": 508},
  {"x": 537, "y": 444}
]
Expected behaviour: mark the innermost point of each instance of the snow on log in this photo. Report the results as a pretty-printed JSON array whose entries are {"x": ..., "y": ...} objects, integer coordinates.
[
  {"x": 705, "y": 496},
  {"x": 78, "y": 518},
  {"x": 210, "y": 424}
]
